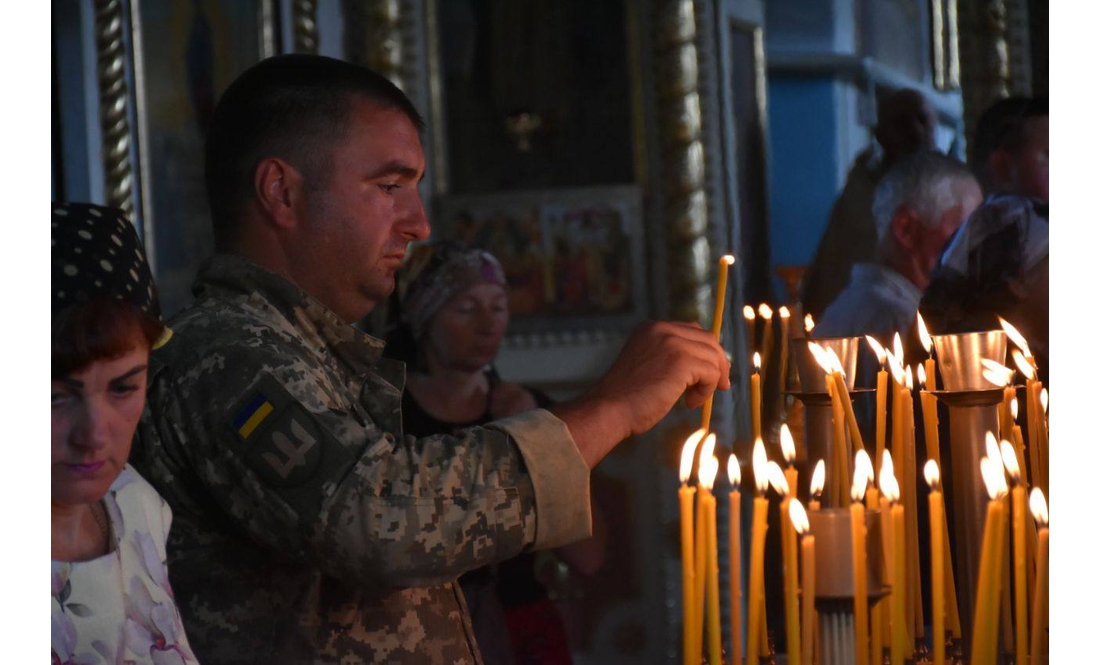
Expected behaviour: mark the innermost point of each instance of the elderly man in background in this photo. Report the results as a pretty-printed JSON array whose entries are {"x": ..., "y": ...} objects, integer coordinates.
[
  {"x": 919, "y": 204},
  {"x": 906, "y": 124}
]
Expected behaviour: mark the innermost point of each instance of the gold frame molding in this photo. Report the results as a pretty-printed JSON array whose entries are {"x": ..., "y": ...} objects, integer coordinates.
[{"x": 114, "y": 105}]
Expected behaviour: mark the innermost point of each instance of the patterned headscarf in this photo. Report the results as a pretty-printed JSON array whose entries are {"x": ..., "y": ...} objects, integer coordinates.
[
  {"x": 438, "y": 271},
  {"x": 95, "y": 252}
]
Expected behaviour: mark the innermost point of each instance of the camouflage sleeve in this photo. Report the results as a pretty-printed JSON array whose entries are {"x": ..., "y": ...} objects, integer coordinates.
[{"x": 306, "y": 476}]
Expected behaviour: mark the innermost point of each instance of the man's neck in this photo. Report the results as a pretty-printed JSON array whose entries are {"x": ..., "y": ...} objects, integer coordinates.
[{"x": 909, "y": 268}]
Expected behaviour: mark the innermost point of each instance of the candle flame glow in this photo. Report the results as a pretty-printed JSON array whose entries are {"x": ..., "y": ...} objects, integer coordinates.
[
  {"x": 760, "y": 467},
  {"x": 994, "y": 478},
  {"x": 862, "y": 475},
  {"x": 799, "y": 519},
  {"x": 887, "y": 465},
  {"x": 1015, "y": 336},
  {"x": 733, "y": 469},
  {"x": 765, "y": 311},
  {"x": 1039, "y": 508},
  {"x": 922, "y": 331},
  {"x": 932, "y": 474},
  {"x": 1044, "y": 399},
  {"x": 899, "y": 350},
  {"x": 784, "y": 313},
  {"x": 1008, "y": 457},
  {"x": 909, "y": 377},
  {"x": 889, "y": 485},
  {"x": 896, "y": 370},
  {"x": 707, "y": 449},
  {"x": 756, "y": 360},
  {"x": 708, "y": 469},
  {"x": 996, "y": 373},
  {"x": 1014, "y": 407},
  {"x": 817, "y": 482},
  {"x": 786, "y": 443},
  {"x": 921, "y": 376},
  {"x": 834, "y": 360},
  {"x": 777, "y": 480},
  {"x": 880, "y": 352},
  {"x": 687, "y": 453},
  {"x": 808, "y": 321},
  {"x": 1026, "y": 368},
  {"x": 993, "y": 450},
  {"x": 749, "y": 313},
  {"x": 727, "y": 260}
]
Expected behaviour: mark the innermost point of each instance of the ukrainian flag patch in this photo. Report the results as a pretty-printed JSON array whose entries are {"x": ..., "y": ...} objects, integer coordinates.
[{"x": 249, "y": 418}]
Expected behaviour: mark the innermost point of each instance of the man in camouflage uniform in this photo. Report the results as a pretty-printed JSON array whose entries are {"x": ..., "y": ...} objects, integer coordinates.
[{"x": 308, "y": 528}]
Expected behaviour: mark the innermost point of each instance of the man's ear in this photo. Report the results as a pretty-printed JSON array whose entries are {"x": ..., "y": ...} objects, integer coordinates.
[
  {"x": 278, "y": 188},
  {"x": 905, "y": 226}
]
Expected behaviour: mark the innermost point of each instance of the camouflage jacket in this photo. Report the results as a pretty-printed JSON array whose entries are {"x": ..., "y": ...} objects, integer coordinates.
[{"x": 308, "y": 528}]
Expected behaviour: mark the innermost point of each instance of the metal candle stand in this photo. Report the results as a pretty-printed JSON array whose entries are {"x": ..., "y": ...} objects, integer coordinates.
[{"x": 972, "y": 404}]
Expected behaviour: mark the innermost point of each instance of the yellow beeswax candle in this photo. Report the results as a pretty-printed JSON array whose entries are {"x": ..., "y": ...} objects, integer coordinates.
[
  {"x": 1040, "y": 622},
  {"x": 754, "y": 386},
  {"x": 778, "y": 481},
  {"x": 756, "y": 555},
  {"x": 929, "y": 363},
  {"x": 734, "y": 471},
  {"x": 909, "y": 499},
  {"x": 817, "y": 485},
  {"x": 858, "y": 527},
  {"x": 784, "y": 349},
  {"x": 894, "y": 535},
  {"x": 880, "y": 399},
  {"x": 707, "y": 472},
  {"x": 766, "y": 344},
  {"x": 706, "y": 452},
  {"x": 687, "y": 545},
  {"x": 716, "y": 324},
  {"x": 988, "y": 601},
  {"x": 801, "y": 524},
  {"x": 935, "y": 532},
  {"x": 840, "y": 447}
]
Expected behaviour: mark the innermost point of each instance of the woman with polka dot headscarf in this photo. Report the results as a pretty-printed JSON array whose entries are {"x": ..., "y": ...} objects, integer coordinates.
[{"x": 111, "y": 601}]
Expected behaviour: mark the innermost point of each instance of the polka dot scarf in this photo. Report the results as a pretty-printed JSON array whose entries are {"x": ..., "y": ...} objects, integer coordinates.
[
  {"x": 95, "y": 252},
  {"x": 438, "y": 271}
]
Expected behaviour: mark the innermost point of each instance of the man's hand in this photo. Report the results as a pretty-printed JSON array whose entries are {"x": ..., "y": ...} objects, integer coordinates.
[{"x": 660, "y": 362}]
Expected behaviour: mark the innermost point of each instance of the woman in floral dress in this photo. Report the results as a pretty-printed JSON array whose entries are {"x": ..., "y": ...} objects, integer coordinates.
[{"x": 111, "y": 601}]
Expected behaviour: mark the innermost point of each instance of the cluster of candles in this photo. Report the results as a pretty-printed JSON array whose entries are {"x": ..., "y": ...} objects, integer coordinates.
[{"x": 898, "y": 625}]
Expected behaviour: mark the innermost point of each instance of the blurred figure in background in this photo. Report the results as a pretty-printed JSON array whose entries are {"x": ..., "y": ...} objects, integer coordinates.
[
  {"x": 906, "y": 124},
  {"x": 454, "y": 313},
  {"x": 997, "y": 263}
]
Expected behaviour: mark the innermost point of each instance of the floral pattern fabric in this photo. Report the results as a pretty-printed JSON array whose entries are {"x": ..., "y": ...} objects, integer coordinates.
[{"x": 119, "y": 608}]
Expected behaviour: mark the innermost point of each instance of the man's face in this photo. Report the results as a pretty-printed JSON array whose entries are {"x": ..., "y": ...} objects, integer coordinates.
[
  {"x": 1030, "y": 174},
  {"x": 908, "y": 124},
  {"x": 354, "y": 226}
]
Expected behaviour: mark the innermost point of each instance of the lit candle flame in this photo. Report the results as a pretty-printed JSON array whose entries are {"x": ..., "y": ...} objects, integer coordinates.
[
  {"x": 765, "y": 311},
  {"x": 760, "y": 466},
  {"x": 932, "y": 474},
  {"x": 749, "y": 313},
  {"x": 1012, "y": 466},
  {"x": 799, "y": 519},
  {"x": 784, "y": 313},
  {"x": 786, "y": 443},
  {"x": 1014, "y": 406},
  {"x": 922, "y": 331},
  {"x": 996, "y": 373},
  {"x": 1039, "y": 507},
  {"x": 777, "y": 480},
  {"x": 817, "y": 482},
  {"x": 687, "y": 453},
  {"x": 834, "y": 360},
  {"x": 896, "y": 370},
  {"x": 887, "y": 465},
  {"x": 733, "y": 469},
  {"x": 808, "y": 321},
  {"x": 862, "y": 475},
  {"x": 899, "y": 351},
  {"x": 1023, "y": 365},
  {"x": 707, "y": 449},
  {"x": 756, "y": 360},
  {"x": 727, "y": 260},
  {"x": 820, "y": 357},
  {"x": 877, "y": 348},
  {"x": 708, "y": 469},
  {"x": 909, "y": 378},
  {"x": 1044, "y": 399},
  {"x": 1015, "y": 336},
  {"x": 889, "y": 485},
  {"x": 993, "y": 450},
  {"x": 921, "y": 376},
  {"x": 994, "y": 478}
]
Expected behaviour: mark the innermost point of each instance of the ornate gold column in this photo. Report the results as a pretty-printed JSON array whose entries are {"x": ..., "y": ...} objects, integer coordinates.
[
  {"x": 682, "y": 165},
  {"x": 114, "y": 102},
  {"x": 373, "y": 37},
  {"x": 303, "y": 16}
]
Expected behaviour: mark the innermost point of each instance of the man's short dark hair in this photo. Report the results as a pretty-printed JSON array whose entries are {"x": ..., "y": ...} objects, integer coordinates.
[
  {"x": 1003, "y": 126},
  {"x": 289, "y": 106}
]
